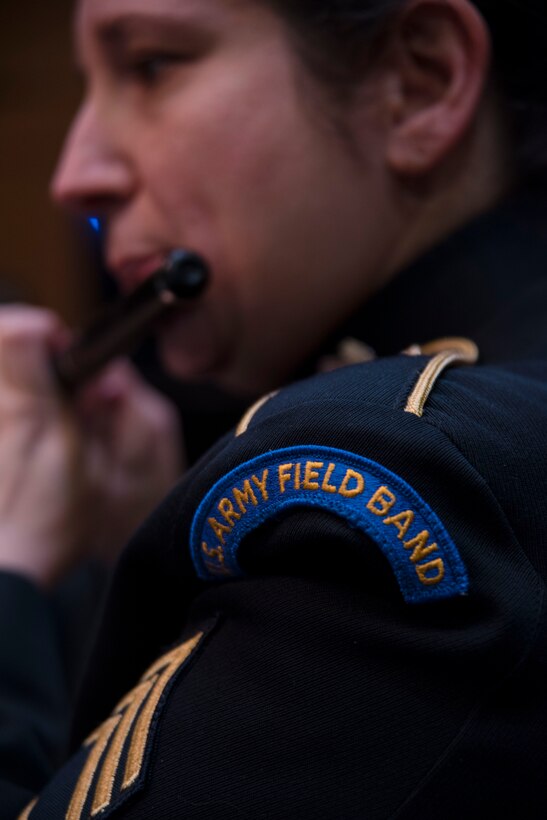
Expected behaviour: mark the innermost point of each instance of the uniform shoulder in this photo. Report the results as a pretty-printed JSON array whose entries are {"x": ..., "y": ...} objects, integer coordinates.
[
  {"x": 384, "y": 382},
  {"x": 496, "y": 418},
  {"x": 399, "y": 434},
  {"x": 397, "y": 383},
  {"x": 345, "y": 444}
]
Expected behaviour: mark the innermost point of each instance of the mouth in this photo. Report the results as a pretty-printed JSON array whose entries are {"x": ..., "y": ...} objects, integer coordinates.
[{"x": 132, "y": 271}]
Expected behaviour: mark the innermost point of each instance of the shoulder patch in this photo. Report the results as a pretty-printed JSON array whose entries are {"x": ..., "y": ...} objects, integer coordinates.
[{"x": 423, "y": 557}]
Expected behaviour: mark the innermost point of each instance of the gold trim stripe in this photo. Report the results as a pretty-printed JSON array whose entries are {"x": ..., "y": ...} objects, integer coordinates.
[
  {"x": 101, "y": 739},
  {"x": 132, "y": 719},
  {"x": 446, "y": 353},
  {"x": 27, "y": 812},
  {"x": 131, "y": 704},
  {"x": 245, "y": 422},
  {"x": 137, "y": 749}
]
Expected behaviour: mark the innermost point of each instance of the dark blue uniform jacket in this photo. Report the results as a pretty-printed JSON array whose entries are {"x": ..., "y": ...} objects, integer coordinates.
[{"x": 339, "y": 614}]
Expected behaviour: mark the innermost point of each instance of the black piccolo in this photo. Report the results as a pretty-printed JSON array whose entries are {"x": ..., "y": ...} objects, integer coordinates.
[{"x": 119, "y": 330}]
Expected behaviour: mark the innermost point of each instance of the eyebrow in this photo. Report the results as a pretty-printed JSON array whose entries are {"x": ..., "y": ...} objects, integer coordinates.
[{"x": 115, "y": 33}]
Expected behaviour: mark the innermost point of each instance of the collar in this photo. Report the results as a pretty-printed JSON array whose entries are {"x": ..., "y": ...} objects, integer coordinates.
[{"x": 487, "y": 282}]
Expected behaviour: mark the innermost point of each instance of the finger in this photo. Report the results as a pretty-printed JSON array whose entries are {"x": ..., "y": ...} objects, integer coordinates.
[
  {"x": 101, "y": 401},
  {"x": 27, "y": 338},
  {"x": 149, "y": 429},
  {"x": 130, "y": 417}
]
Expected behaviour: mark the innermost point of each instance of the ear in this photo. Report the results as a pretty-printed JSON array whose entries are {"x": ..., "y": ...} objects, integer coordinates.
[{"x": 439, "y": 55}]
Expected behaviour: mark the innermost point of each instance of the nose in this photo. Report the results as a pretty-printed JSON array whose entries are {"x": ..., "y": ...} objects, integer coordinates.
[{"x": 93, "y": 175}]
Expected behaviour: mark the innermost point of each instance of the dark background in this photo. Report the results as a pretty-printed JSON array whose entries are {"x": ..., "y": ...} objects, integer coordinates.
[{"x": 46, "y": 257}]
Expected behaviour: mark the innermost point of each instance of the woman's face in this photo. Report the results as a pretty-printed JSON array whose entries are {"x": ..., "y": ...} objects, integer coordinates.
[{"x": 201, "y": 129}]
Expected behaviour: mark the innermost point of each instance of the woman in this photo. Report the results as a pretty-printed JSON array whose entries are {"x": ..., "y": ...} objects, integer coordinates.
[{"x": 338, "y": 613}]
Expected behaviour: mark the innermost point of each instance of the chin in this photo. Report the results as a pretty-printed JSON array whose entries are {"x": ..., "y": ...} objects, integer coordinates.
[
  {"x": 187, "y": 348},
  {"x": 194, "y": 349},
  {"x": 192, "y": 369},
  {"x": 184, "y": 365}
]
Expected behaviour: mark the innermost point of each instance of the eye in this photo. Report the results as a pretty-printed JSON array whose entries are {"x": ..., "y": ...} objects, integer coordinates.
[{"x": 149, "y": 69}]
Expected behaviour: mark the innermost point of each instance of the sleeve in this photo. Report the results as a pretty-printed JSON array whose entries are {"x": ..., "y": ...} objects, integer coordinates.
[
  {"x": 33, "y": 698},
  {"x": 267, "y": 659}
]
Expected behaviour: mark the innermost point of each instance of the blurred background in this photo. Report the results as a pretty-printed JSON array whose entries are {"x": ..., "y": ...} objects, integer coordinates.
[{"x": 46, "y": 257}]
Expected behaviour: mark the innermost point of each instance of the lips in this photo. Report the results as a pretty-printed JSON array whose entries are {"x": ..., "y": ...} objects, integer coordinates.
[{"x": 132, "y": 271}]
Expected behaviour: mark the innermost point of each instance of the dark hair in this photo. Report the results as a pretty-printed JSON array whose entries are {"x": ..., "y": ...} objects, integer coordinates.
[{"x": 331, "y": 34}]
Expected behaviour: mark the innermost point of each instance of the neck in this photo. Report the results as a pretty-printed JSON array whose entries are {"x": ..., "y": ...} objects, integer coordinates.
[{"x": 472, "y": 180}]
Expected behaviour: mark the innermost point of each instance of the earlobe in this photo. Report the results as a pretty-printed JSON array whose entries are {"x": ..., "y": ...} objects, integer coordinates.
[{"x": 440, "y": 55}]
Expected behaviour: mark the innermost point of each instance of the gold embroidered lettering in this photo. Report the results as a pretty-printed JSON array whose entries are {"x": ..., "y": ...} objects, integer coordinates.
[
  {"x": 219, "y": 529},
  {"x": 420, "y": 548},
  {"x": 345, "y": 491},
  {"x": 403, "y": 521},
  {"x": 285, "y": 476},
  {"x": 226, "y": 509},
  {"x": 297, "y": 474},
  {"x": 216, "y": 554},
  {"x": 424, "y": 571},
  {"x": 311, "y": 475},
  {"x": 262, "y": 484},
  {"x": 245, "y": 496},
  {"x": 326, "y": 487},
  {"x": 382, "y": 502}
]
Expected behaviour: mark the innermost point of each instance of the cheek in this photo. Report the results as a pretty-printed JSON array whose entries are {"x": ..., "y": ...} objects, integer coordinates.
[
  {"x": 231, "y": 146},
  {"x": 249, "y": 177}
]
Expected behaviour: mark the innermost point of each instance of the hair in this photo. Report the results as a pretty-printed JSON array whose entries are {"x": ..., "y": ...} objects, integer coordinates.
[{"x": 338, "y": 40}]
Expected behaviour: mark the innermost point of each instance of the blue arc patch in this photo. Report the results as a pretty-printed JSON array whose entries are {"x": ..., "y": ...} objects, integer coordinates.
[{"x": 423, "y": 557}]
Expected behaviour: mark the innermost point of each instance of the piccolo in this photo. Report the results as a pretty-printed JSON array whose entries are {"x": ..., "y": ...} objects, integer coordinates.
[{"x": 119, "y": 330}]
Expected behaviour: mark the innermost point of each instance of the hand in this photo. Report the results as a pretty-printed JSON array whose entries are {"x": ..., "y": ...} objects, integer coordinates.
[
  {"x": 40, "y": 450},
  {"x": 74, "y": 477},
  {"x": 133, "y": 455}
]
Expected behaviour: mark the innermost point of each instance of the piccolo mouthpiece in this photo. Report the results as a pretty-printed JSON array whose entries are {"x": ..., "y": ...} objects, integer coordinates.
[{"x": 186, "y": 274}]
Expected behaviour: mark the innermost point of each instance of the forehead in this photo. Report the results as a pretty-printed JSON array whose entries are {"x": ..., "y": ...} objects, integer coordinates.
[
  {"x": 99, "y": 9},
  {"x": 96, "y": 16}
]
